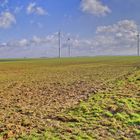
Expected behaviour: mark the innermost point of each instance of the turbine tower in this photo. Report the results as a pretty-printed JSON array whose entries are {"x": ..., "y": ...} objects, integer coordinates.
[
  {"x": 138, "y": 44},
  {"x": 69, "y": 47},
  {"x": 59, "y": 44}
]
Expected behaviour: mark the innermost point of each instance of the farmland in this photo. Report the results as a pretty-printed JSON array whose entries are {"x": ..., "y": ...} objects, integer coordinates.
[{"x": 70, "y": 98}]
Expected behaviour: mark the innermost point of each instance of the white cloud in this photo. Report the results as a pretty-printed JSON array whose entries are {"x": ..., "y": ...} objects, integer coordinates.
[
  {"x": 34, "y": 9},
  {"x": 94, "y": 7},
  {"x": 123, "y": 33},
  {"x": 40, "y": 25},
  {"x": 125, "y": 26},
  {"x": 7, "y": 19},
  {"x": 18, "y": 9},
  {"x": 4, "y": 3}
]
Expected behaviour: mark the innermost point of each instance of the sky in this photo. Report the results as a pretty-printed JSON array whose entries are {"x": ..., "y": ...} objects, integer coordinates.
[{"x": 29, "y": 28}]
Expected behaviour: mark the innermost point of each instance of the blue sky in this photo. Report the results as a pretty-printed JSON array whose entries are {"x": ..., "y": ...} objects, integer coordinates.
[{"x": 28, "y": 28}]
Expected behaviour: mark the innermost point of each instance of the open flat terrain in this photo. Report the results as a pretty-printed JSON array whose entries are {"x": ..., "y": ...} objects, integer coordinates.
[{"x": 70, "y": 98}]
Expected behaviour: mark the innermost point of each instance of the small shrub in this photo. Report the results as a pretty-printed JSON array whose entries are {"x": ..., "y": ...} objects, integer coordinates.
[
  {"x": 120, "y": 116},
  {"x": 108, "y": 114}
]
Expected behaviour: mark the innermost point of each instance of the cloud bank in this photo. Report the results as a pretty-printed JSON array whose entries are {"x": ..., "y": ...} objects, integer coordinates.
[{"x": 111, "y": 39}]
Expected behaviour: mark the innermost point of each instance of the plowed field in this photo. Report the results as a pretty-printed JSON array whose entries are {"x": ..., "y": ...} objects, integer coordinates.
[{"x": 41, "y": 98}]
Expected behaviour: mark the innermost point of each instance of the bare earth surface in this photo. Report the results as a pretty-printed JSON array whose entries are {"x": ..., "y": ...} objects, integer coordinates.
[{"x": 33, "y": 94}]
